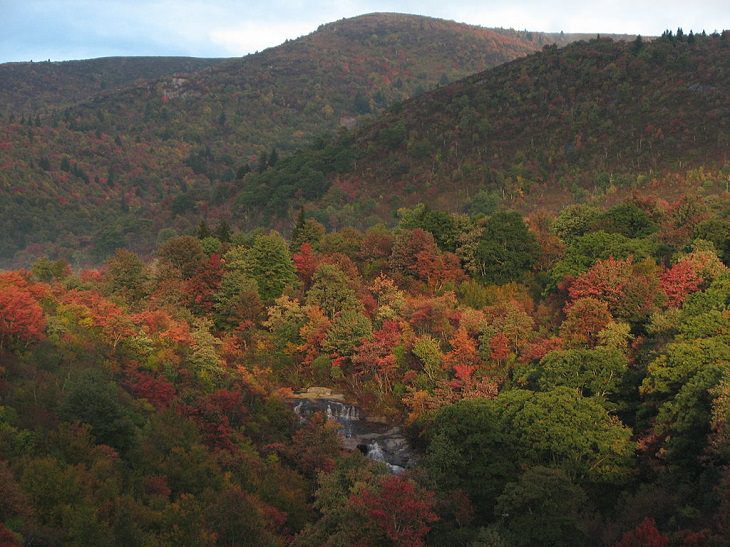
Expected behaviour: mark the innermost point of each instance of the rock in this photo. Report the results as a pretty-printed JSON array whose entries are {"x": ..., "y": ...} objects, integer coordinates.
[
  {"x": 376, "y": 419},
  {"x": 316, "y": 392}
]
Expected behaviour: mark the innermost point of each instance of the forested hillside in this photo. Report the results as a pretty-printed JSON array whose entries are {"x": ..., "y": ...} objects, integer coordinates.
[
  {"x": 563, "y": 379},
  {"x": 34, "y": 88},
  {"x": 122, "y": 164},
  {"x": 590, "y": 121},
  {"x": 564, "y": 124}
]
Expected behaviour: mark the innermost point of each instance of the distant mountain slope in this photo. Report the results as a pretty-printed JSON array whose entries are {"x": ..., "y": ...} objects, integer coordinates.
[
  {"x": 28, "y": 89},
  {"x": 285, "y": 95},
  {"x": 591, "y": 115},
  {"x": 119, "y": 166}
]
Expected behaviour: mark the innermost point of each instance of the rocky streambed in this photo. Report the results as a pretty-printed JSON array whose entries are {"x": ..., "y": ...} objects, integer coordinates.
[{"x": 372, "y": 435}]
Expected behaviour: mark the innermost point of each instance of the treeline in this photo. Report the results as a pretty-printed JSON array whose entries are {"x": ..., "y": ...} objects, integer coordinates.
[{"x": 564, "y": 378}]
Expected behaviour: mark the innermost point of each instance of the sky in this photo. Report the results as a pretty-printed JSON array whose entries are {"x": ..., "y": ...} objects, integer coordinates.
[{"x": 81, "y": 29}]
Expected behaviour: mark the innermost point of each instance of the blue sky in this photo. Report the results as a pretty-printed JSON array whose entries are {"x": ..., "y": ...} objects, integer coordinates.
[{"x": 80, "y": 29}]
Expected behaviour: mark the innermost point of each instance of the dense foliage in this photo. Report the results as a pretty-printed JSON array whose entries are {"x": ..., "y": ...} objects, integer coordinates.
[{"x": 145, "y": 402}]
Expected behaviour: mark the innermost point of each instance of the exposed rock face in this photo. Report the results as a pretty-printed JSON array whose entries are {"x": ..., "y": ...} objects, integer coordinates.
[{"x": 374, "y": 437}]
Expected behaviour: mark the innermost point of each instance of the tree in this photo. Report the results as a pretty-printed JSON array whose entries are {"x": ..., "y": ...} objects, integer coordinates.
[
  {"x": 268, "y": 262},
  {"x": 644, "y": 535},
  {"x": 442, "y": 225},
  {"x": 331, "y": 291},
  {"x": 126, "y": 276},
  {"x": 183, "y": 253},
  {"x": 543, "y": 507},
  {"x": 237, "y": 301},
  {"x": 307, "y": 230},
  {"x": 94, "y": 400},
  {"x": 585, "y": 250},
  {"x": 376, "y": 356},
  {"x": 574, "y": 221},
  {"x": 506, "y": 249},
  {"x": 223, "y": 232},
  {"x": 348, "y": 330},
  {"x": 629, "y": 289},
  {"x": 627, "y": 219},
  {"x": 400, "y": 511},
  {"x": 21, "y": 317},
  {"x": 463, "y": 358},
  {"x": 47, "y": 270},
  {"x": 584, "y": 321},
  {"x": 480, "y": 445},
  {"x": 593, "y": 371}
]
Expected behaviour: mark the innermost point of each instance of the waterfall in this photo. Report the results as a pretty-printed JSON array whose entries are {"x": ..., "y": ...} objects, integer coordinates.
[
  {"x": 298, "y": 412},
  {"x": 375, "y": 452}
]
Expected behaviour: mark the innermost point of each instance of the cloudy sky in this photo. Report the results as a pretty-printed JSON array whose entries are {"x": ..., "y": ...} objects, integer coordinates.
[{"x": 79, "y": 29}]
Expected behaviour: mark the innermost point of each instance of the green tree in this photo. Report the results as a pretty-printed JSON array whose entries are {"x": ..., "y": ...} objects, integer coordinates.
[
  {"x": 183, "y": 253},
  {"x": 331, "y": 291},
  {"x": 592, "y": 371},
  {"x": 543, "y": 507},
  {"x": 126, "y": 276},
  {"x": 268, "y": 262},
  {"x": 94, "y": 400},
  {"x": 506, "y": 249},
  {"x": 480, "y": 445},
  {"x": 347, "y": 332}
]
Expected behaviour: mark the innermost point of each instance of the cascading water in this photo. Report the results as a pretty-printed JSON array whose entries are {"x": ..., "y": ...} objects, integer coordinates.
[
  {"x": 344, "y": 415},
  {"x": 375, "y": 452},
  {"x": 378, "y": 441}
]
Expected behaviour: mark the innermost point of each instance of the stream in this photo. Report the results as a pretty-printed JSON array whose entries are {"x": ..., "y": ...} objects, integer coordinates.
[{"x": 377, "y": 440}]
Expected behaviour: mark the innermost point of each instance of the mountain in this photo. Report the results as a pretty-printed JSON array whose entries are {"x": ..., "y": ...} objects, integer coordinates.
[
  {"x": 118, "y": 166},
  {"x": 285, "y": 95},
  {"x": 30, "y": 89},
  {"x": 95, "y": 170},
  {"x": 588, "y": 117}
]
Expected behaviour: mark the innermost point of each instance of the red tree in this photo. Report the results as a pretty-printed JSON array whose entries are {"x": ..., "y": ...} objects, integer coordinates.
[
  {"x": 398, "y": 508},
  {"x": 21, "y": 317},
  {"x": 644, "y": 535},
  {"x": 680, "y": 281}
]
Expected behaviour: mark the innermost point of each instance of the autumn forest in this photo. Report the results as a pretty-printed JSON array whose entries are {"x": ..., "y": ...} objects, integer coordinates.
[{"x": 496, "y": 259}]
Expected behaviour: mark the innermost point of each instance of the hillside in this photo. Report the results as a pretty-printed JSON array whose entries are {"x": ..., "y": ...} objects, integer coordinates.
[
  {"x": 285, "y": 95},
  {"x": 590, "y": 117},
  {"x": 558, "y": 126},
  {"x": 169, "y": 150},
  {"x": 30, "y": 89}
]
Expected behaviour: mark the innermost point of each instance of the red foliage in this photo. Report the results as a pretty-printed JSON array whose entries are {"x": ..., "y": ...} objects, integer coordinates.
[
  {"x": 202, "y": 286},
  {"x": 437, "y": 268},
  {"x": 540, "y": 348},
  {"x": 644, "y": 535},
  {"x": 158, "y": 322},
  {"x": 464, "y": 372},
  {"x": 8, "y": 538},
  {"x": 21, "y": 317},
  {"x": 606, "y": 280},
  {"x": 158, "y": 391},
  {"x": 629, "y": 289},
  {"x": 499, "y": 347},
  {"x": 375, "y": 356},
  {"x": 463, "y": 352},
  {"x": 156, "y": 485},
  {"x": 306, "y": 261},
  {"x": 680, "y": 281},
  {"x": 585, "y": 319},
  {"x": 399, "y": 509}
]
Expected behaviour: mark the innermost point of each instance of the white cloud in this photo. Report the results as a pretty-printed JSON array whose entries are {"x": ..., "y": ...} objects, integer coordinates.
[{"x": 250, "y": 36}]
